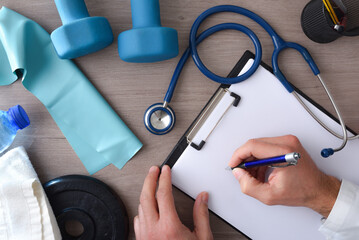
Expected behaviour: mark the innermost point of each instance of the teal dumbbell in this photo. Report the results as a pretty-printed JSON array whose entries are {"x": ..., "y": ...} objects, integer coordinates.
[
  {"x": 147, "y": 41},
  {"x": 80, "y": 34}
]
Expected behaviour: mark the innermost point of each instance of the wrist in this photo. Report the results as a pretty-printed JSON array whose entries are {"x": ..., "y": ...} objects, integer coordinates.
[{"x": 326, "y": 195}]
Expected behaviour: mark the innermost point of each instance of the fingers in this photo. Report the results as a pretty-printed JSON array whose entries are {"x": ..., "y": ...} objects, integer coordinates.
[
  {"x": 148, "y": 201},
  {"x": 201, "y": 217},
  {"x": 141, "y": 216},
  {"x": 258, "y": 173},
  {"x": 252, "y": 186},
  {"x": 165, "y": 200},
  {"x": 259, "y": 149},
  {"x": 136, "y": 225},
  {"x": 252, "y": 182},
  {"x": 289, "y": 140}
]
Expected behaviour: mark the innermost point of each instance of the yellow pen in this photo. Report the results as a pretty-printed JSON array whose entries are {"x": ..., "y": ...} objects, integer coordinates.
[{"x": 330, "y": 9}]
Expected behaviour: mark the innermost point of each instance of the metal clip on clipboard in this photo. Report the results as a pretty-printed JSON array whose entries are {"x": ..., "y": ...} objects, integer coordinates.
[{"x": 206, "y": 113}]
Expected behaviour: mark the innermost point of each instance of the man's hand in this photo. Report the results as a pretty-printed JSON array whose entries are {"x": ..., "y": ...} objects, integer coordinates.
[
  {"x": 157, "y": 216},
  {"x": 301, "y": 185}
]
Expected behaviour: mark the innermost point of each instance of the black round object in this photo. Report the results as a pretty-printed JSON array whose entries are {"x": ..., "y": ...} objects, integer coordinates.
[
  {"x": 77, "y": 198},
  {"x": 316, "y": 23}
]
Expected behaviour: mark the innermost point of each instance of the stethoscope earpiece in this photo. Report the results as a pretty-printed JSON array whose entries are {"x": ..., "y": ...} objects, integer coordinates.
[{"x": 326, "y": 152}]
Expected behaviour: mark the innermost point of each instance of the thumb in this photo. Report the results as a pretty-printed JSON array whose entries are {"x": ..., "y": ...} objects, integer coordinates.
[
  {"x": 201, "y": 217},
  {"x": 251, "y": 186}
]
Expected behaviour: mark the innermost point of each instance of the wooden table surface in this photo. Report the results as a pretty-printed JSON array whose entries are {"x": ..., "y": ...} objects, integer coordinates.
[{"x": 130, "y": 88}]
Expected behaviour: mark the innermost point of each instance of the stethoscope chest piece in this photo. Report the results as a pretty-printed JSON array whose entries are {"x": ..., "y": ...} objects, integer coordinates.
[{"x": 159, "y": 118}]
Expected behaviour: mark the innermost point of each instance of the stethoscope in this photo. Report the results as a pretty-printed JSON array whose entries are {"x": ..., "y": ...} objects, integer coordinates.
[{"x": 159, "y": 118}]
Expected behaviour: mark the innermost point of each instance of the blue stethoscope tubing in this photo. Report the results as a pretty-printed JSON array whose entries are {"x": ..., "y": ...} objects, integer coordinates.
[
  {"x": 193, "y": 51},
  {"x": 279, "y": 45}
]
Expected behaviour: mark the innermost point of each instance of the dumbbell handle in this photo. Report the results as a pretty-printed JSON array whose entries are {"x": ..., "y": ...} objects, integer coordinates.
[
  {"x": 71, "y": 10},
  {"x": 145, "y": 13}
]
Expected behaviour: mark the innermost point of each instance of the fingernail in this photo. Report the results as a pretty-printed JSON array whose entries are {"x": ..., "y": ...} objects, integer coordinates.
[
  {"x": 153, "y": 169},
  {"x": 166, "y": 167},
  {"x": 237, "y": 173},
  {"x": 205, "y": 197}
]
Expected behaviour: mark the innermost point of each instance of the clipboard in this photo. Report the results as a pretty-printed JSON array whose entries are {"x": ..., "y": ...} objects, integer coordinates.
[{"x": 199, "y": 159}]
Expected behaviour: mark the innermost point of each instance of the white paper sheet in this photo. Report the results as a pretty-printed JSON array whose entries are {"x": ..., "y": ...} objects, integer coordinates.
[{"x": 266, "y": 109}]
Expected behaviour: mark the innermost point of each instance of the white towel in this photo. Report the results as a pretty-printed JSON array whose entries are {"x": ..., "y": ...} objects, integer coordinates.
[{"x": 25, "y": 212}]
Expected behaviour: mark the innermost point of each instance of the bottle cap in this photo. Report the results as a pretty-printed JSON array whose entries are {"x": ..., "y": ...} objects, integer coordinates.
[{"x": 20, "y": 117}]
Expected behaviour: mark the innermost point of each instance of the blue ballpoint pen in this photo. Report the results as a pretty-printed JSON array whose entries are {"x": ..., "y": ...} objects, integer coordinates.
[{"x": 290, "y": 159}]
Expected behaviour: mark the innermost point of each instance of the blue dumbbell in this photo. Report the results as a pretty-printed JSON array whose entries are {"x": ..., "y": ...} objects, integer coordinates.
[
  {"x": 80, "y": 33},
  {"x": 147, "y": 41}
]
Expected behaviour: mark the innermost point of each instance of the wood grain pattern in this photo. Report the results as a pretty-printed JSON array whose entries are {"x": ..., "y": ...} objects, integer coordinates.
[{"x": 131, "y": 88}]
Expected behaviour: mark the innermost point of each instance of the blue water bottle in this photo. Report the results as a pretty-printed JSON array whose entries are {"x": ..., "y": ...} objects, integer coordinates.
[{"x": 10, "y": 122}]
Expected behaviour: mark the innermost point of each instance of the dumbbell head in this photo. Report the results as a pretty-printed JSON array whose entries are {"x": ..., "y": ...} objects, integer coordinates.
[
  {"x": 148, "y": 44},
  {"x": 147, "y": 41},
  {"x": 80, "y": 34}
]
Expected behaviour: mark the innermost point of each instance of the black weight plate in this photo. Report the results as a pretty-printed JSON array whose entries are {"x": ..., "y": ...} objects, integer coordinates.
[{"x": 90, "y": 202}]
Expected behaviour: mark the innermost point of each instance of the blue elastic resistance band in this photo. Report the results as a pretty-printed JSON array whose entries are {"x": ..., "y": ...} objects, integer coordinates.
[{"x": 96, "y": 133}]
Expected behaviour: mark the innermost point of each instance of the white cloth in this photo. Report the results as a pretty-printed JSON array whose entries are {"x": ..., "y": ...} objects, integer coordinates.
[
  {"x": 343, "y": 221},
  {"x": 25, "y": 212}
]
